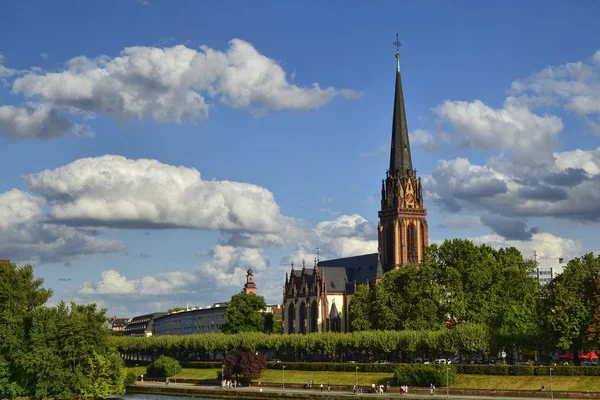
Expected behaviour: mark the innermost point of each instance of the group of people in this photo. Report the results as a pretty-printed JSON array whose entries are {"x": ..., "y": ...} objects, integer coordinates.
[
  {"x": 432, "y": 389},
  {"x": 229, "y": 384},
  {"x": 379, "y": 388},
  {"x": 403, "y": 389}
]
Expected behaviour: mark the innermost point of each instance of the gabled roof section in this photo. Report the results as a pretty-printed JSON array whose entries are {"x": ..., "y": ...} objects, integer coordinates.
[
  {"x": 342, "y": 273},
  {"x": 400, "y": 159}
]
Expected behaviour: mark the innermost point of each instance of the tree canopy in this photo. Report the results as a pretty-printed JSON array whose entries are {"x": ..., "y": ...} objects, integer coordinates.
[
  {"x": 60, "y": 352},
  {"x": 458, "y": 282},
  {"x": 245, "y": 314},
  {"x": 570, "y": 306}
]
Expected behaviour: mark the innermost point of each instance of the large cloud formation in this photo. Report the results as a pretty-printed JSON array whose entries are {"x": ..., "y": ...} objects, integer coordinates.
[
  {"x": 26, "y": 237},
  {"x": 524, "y": 176},
  {"x": 114, "y": 191},
  {"x": 167, "y": 85}
]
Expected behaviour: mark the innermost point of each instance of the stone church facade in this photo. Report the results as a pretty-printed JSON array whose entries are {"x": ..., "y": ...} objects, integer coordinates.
[{"x": 317, "y": 298}]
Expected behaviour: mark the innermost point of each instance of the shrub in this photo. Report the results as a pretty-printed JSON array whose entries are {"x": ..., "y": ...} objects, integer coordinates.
[
  {"x": 245, "y": 365},
  {"x": 163, "y": 367},
  {"x": 130, "y": 378},
  {"x": 424, "y": 375}
]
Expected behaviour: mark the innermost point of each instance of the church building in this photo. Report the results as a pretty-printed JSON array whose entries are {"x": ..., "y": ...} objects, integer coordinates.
[{"x": 317, "y": 298}]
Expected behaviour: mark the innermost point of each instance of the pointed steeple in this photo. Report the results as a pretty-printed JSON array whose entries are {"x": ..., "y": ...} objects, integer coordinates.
[{"x": 400, "y": 159}]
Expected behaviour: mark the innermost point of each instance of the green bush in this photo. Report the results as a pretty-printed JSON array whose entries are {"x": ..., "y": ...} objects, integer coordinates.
[
  {"x": 130, "y": 378},
  {"x": 424, "y": 375},
  {"x": 329, "y": 366},
  {"x": 163, "y": 367}
]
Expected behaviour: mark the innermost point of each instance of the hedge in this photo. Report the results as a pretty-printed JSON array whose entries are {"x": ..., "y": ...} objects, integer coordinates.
[
  {"x": 329, "y": 366},
  {"x": 424, "y": 375},
  {"x": 525, "y": 370}
]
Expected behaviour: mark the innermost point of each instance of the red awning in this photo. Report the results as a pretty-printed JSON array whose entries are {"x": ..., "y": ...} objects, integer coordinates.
[{"x": 589, "y": 356}]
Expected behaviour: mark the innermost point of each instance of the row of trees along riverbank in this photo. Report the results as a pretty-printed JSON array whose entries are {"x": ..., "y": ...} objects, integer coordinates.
[{"x": 462, "y": 300}]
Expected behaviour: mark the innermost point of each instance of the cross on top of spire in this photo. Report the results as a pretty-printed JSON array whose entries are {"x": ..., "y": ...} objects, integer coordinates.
[{"x": 398, "y": 44}]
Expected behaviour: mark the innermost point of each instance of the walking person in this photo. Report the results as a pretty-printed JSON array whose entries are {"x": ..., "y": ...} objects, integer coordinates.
[
  {"x": 259, "y": 386},
  {"x": 321, "y": 388},
  {"x": 328, "y": 387}
]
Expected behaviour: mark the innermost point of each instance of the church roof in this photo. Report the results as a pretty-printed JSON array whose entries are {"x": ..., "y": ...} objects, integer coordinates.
[
  {"x": 400, "y": 159},
  {"x": 342, "y": 273}
]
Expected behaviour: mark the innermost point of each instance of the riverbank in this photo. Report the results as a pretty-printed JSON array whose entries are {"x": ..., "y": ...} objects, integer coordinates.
[
  {"x": 345, "y": 380},
  {"x": 280, "y": 392}
]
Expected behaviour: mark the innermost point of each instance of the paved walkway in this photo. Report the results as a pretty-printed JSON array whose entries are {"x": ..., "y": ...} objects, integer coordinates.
[{"x": 439, "y": 394}]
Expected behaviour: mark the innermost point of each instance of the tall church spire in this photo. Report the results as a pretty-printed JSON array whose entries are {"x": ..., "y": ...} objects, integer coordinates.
[
  {"x": 403, "y": 233},
  {"x": 400, "y": 159}
]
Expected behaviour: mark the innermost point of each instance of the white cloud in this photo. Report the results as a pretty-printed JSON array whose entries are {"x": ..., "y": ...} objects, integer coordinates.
[
  {"x": 40, "y": 122},
  {"x": 574, "y": 85},
  {"x": 588, "y": 160},
  {"x": 171, "y": 84},
  {"x": 25, "y": 237},
  {"x": 546, "y": 245},
  {"x": 569, "y": 188},
  {"x": 596, "y": 58},
  {"x": 4, "y": 71},
  {"x": 44, "y": 56},
  {"x": 226, "y": 268},
  {"x": 113, "y": 283},
  {"x": 511, "y": 128},
  {"x": 228, "y": 265},
  {"x": 429, "y": 141},
  {"x": 118, "y": 192}
]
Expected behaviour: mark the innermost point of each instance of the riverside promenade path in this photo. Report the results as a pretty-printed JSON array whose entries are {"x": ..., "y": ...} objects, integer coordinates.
[{"x": 269, "y": 392}]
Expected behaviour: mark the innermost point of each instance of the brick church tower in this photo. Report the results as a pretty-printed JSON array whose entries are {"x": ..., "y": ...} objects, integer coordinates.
[
  {"x": 402, "y": 225},
  {"x": 250, "y": 286}
]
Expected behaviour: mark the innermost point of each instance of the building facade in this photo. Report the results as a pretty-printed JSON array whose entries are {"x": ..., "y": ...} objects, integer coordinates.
[
  {"x": 192, "y": 321},
  {"x": 142, "y": 325},
  {"x": 317, "y": 299},
  {"x": 546, "y": 269}
]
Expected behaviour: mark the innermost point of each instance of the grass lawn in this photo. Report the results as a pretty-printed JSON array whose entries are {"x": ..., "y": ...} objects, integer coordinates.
[{"x": 559, "y": 383}]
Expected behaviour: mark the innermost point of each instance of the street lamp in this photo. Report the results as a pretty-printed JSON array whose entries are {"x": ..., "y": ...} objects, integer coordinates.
[
  {"x": 551, "y": 394},
  {"x": 356, "y": 379},
  {"x": 447, "y": 382},
  {"x": 283, "y": 379}
]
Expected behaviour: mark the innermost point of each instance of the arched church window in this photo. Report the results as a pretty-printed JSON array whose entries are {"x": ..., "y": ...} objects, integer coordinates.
[
  {"x": 314, "y": 316},
  {"x": 389, "y": 245},
  {"x": 411, "y": 243},
  {"x": 291, "y": 318},
  {"x": 302, "y": 317}
]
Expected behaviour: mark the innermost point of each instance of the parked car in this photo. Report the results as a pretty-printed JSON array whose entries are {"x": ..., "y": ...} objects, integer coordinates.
[
  {"x": 588, "y": 364},
  {"x": 441, "y": 361}
]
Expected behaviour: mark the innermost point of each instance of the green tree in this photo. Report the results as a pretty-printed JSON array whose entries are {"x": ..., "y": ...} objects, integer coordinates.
[
  {"x": 361, "y": 308},
  {"x": 244, "y": 314},
  {"x": 172, "y": 310},
  {"x": 71, "y": 355},
  {"x": 568, "y": 305},
  {"x": 61, "y": 352}
]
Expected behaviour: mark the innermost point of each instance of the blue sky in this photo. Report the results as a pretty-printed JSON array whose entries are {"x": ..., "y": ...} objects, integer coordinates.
[{"x": 154, "y": 150}]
